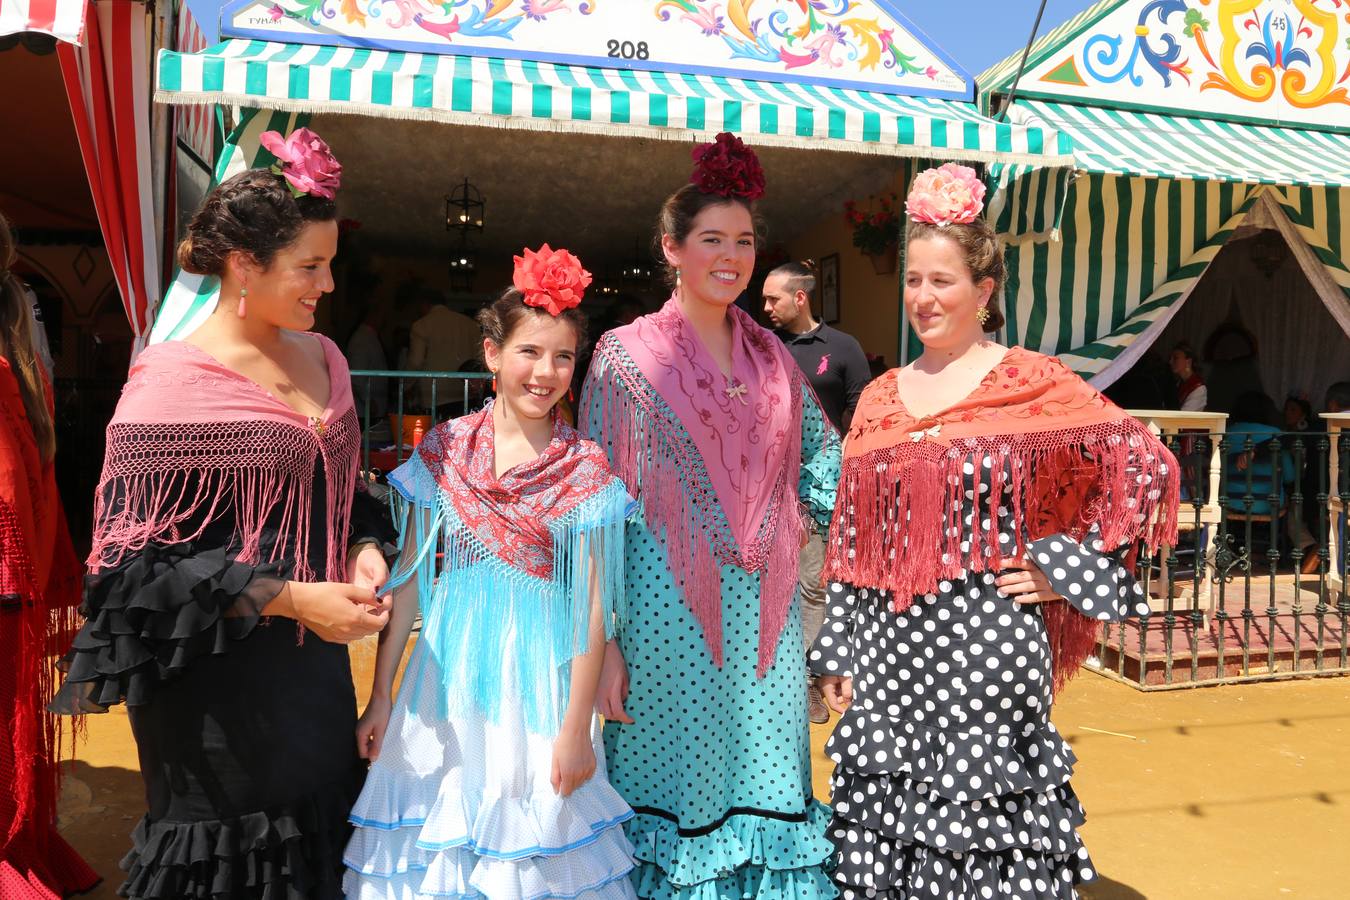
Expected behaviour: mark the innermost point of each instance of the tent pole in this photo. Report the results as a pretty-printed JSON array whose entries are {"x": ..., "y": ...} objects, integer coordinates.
[{"x": 1026, "y": 51}]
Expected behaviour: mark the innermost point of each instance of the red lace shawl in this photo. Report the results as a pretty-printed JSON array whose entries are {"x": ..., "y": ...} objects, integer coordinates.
[
  {"x": 1075, "y": 461},
  {"x": 513, "y": 515},
  {"x": 39, "y": 588}
]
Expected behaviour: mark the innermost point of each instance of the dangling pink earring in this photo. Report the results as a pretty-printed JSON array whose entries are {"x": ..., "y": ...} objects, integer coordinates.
[
  {"x": 494, "y": 382},
  {"x": 243, "y": 299}
]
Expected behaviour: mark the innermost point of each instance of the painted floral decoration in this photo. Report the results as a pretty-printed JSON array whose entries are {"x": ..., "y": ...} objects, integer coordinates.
[
  {"x": 950, "y": 195},
  {"x": 729, "y": 168},
  {"x": 875, "y": 230},
  {"x": 551, "y": 280},
  {"x": 305, "y": 161}
]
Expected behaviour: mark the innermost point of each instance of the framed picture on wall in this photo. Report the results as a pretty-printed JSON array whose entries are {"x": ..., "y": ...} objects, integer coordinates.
[{"x": 829, "y": 288}]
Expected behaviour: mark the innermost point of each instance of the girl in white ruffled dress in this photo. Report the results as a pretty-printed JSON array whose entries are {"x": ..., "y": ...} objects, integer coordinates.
[{"x": 487, "y": 778}]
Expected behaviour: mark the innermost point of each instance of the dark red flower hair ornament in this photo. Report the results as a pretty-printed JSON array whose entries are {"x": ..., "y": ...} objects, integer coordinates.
[
  {"x": 551, "y": 280},
  {"x": 729, "y": 168}
]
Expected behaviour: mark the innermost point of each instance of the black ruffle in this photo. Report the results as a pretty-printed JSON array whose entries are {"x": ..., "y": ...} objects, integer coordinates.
[
  {"x": 288, "y": 852},
  {"x": 151, "y": 616}
]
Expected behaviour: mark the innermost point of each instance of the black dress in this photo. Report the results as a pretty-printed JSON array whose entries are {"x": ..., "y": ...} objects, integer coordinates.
[
  {"x": 245, "y": 728},
  {"x": 951, "y": 781}
]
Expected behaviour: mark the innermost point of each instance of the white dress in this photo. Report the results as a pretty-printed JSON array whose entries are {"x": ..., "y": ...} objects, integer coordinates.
[{"x": 460, "y": 803}]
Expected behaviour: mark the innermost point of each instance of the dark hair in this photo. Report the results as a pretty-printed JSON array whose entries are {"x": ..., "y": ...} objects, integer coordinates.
[
  {"x": 16, "y": 344},
  {"x": 1184, "y": 348},
  {"x": 255, "y": 213},
  {"x": 1338, "y": 393},
  {"x": 683, "y": 207},
  {"x": 801, "y": 276},
  {"x": 500, "y": 318},
  {"x": 981, "y": 252},
  {"x": 1254, "y": 406}
]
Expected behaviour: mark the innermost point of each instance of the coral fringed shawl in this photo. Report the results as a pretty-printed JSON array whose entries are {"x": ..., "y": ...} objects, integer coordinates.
[
  {"x": 1074, "y": 459},
  {"x": 716, "y": 471},
  {"x": 193, "y": 442}
]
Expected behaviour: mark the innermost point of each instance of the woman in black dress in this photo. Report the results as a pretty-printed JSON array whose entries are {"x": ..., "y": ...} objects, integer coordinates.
[{"x": 229, "y": 504}]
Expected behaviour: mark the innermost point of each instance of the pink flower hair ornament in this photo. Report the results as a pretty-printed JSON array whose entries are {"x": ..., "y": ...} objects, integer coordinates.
[
  {"x": 950, "y": 195},
  {"x": 551, "y": 280},
  {"x": 305, "y": 161}
]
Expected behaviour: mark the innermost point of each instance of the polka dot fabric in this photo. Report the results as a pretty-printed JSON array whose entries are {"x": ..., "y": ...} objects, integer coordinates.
[
  {"x": 951, "y": 782},
  {"x": 717, "y": 763}
]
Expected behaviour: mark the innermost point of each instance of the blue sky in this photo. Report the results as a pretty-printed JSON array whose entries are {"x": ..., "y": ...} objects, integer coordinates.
[{"x": 979, "y": 33}]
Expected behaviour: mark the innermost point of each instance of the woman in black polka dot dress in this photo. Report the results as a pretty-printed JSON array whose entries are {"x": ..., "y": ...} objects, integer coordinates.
[{"x": 989, "y": 506}]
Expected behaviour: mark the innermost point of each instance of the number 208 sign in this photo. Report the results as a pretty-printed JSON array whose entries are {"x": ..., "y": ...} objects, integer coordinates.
[{"x": 844, "y": 43}]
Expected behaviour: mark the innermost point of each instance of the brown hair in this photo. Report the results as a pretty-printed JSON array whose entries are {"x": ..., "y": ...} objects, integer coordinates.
[
  {"x": 683, "y": 207},
  {"x": 981, "y": 252},
  {"x": 801, "y": 276},
  {"x": 16, "y": 343},
  {"x": 500, "y": 319},
  {"x": 255, "y": 213}
]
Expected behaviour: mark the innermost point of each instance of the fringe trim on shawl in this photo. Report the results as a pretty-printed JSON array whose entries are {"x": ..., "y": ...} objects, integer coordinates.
[
  {"x": 478, "y": 609},
  {"x": 34, "y": 624},
  {"x": 661, "y": 470},
  {"x": 167, "y": 483},
  {"x": 898, "y": 523}
]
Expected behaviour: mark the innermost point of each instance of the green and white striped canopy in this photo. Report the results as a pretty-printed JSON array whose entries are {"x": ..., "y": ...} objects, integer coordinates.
[
  {"x": 477, "y": 90},
  {"x": 1124, "y": 142}
]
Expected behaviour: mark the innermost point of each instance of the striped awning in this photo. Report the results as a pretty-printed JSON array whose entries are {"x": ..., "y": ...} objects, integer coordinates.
[
  {"x": 477, "y": 90},
  {"x": 62, "y": 19},
  {"x": 1122, "y": 142}
]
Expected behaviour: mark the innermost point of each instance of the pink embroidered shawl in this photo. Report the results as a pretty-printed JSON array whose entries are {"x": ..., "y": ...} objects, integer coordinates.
[
  {"x": 745, "y": 436},
  {"x": 192, "y": 442}
]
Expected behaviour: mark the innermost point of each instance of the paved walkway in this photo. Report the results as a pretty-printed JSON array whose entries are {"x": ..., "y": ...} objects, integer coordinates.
[{"x": 1235, "y": 792}]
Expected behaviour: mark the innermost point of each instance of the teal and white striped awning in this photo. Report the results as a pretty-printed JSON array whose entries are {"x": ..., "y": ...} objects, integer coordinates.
[
  {"x": 1123, "y": 142},
  {"x": 478, "y": 90}
]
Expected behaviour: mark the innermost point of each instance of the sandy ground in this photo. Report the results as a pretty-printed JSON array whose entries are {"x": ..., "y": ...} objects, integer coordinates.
[{"x": 1234, "y": 792}]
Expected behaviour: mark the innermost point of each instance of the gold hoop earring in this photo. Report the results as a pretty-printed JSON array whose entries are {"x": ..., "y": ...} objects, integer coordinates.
[{"x": 982, "y": 315}]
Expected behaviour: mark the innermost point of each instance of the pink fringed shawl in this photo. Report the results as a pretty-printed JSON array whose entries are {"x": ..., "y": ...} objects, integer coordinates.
[
  {"x": 1075, "y": 461},
  {"x": 696, "y": 454},
  {"x": 192, "y": 442}
]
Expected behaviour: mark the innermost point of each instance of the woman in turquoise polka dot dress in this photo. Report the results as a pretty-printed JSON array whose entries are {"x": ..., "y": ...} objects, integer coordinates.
[{"x": 710, "y": 424}]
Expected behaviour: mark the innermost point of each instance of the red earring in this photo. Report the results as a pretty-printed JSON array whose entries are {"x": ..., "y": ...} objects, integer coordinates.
[
  {"x": 571, "y": 397},
  {"x": 494, "y": 383}
]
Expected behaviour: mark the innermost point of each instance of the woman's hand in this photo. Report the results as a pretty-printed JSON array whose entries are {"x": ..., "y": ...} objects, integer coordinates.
[
  {"x": 573, "y": 761},
  {"x": 837, "y": 691},
  {"x": 1024, "y": 582},
  {"x": 337, "y": 613},
  {"x": 370, "y": 727},
  {"x": 613, "y": 688},
  {"x": 367, "y": 568}
]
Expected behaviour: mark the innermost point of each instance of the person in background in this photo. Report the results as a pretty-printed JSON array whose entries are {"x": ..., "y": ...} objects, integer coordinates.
[
  {"x": 39, "y": 588},
  {"x": 1191, "y": 391},
  {"x": 441, "y": 340},
  {"x": 1299, "y": 423},
  {"x": 1337, "y": 398},
  {"x": 1251, "y": 471},
  {"x": 366, "y": 351},
  {"x": 835, "y": 365}
]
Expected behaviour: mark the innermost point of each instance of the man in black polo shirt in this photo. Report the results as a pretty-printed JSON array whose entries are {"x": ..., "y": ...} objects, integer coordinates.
[{"x": 835, "y": 365}]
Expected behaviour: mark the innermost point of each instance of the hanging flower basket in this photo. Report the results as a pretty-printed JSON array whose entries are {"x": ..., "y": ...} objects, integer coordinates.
[
  {"x": 884, "y": 261},
  {"x": 876, "y": 232}
]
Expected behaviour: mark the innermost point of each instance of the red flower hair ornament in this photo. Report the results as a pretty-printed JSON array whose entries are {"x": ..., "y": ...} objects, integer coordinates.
[
  {"x": 729, "y": 168},
  {"x": 551, "y": 280}
]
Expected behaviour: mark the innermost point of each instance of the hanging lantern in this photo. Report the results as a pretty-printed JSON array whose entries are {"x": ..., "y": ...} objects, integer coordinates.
[{"x": 464, "y": 208}]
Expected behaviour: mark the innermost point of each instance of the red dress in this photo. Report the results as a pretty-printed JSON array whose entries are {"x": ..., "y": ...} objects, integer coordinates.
[{"x": 39, "y": 587}]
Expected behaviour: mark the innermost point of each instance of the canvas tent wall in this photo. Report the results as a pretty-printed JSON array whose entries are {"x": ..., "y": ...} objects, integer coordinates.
[
  {"x": 1183, "y": 116},
  {"x": 857, "y": 78}
]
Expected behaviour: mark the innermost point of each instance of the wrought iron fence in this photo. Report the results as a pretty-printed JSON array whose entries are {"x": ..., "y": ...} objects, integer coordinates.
[
  {"x": 1255, "y": 587},
  {"x": 392, "y": 404}
]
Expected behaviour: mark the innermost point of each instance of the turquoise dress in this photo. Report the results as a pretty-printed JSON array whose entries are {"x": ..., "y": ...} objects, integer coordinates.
[{"x": 717, "y": 766}]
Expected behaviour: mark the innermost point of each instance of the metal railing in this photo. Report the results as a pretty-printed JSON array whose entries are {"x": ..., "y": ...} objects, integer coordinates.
[
  {"x": 1255, "y": 587},
  {"x": 438, "y": 396}
]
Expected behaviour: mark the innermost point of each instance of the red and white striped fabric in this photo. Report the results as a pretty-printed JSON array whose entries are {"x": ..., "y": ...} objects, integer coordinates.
[
  {"x": 62, "y": 19},
  {"x": 196, "y": 122},
  {"x": 108, "y": 86}
]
